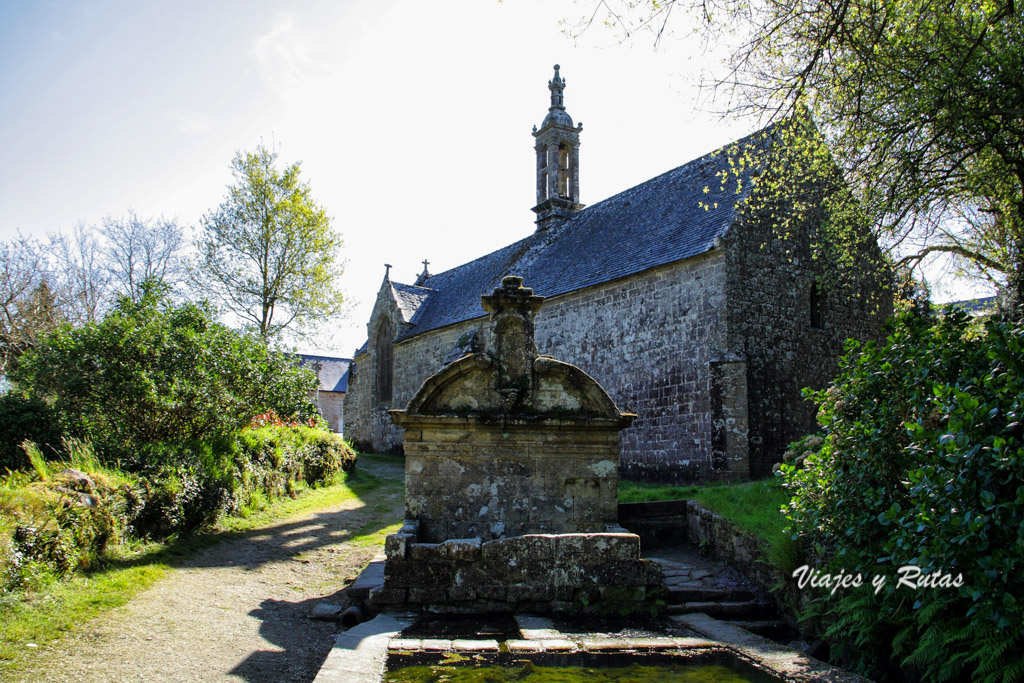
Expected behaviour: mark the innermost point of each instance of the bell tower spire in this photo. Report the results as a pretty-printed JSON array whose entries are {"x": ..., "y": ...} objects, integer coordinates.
[
  {"x": 558, "y": 156},
  {"x": 557, "y": 86}
]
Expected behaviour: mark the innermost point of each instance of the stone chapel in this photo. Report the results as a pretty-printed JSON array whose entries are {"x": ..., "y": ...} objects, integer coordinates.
[{"x": 675, "y": 295}]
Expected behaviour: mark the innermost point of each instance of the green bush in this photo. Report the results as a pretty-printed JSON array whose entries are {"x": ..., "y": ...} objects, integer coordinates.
[
  {"x": 922, "y": 464},
  {"x": 312, "y": 455},
  {"x": 24, "y": 419},
  {"x": 166, "y": 395},
  {"x": 189, "y": 485},
  {"x": 155, "y": 372},
  {"x": 60, "y": 516}
]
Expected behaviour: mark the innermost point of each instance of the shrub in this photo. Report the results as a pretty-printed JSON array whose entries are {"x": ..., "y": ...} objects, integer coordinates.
[
  {"x": 324, "y": 456},
  {"x": 24, "y": 419},
  {"x": 155, "y": 372},
  {"x": 922, "y": 463},
  {"x": 61, "y": 515},
  {"x": 312, "y": 455}
]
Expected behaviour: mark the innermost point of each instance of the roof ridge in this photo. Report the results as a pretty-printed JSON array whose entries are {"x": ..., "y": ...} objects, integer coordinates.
[
  {"x": 478, "y": 258},
  {"x": 321, "y": 356},
  {"x": 678, "y": 214},
  {"x": 402, "y": 284}
]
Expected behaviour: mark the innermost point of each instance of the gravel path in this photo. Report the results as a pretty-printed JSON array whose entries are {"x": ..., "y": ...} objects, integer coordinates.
[{"x": 238, "y": 610}]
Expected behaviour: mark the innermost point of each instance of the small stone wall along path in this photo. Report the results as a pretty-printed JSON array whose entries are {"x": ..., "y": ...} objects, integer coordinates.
[{"x": 237, "y": 611}]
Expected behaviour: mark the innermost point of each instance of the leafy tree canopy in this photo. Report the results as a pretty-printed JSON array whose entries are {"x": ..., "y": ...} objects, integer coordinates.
[
  {"x": 921, "y": 102},
  {"x": 268, "y": 252},
  {"x": 152, "y": 371}
]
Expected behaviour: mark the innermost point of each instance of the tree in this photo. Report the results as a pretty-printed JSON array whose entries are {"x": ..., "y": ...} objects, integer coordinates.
[
  {"x": 921, "y": 103},
  {"x": 81, "y": 281},
  {"x": 139, "y": 249},
  {"x": 152, "y": 371},
  {"x": 268, "y": 252},
  {"x": 28, "y": 306},
  {"x": 920, "y": 462}
]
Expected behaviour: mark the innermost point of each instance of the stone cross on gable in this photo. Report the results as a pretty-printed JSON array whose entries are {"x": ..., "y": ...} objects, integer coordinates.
[{"x": 422, "y": 277}]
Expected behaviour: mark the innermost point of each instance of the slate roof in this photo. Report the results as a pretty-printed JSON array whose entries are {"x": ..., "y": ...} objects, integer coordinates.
[
  {"x": 333, "y": 372},
  {"x": 674, "y": 216},
  {"x": 410, "y": 299}
]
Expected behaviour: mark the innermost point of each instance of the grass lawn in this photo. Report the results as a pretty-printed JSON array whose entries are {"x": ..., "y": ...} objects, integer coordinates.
[
  {"x": 752, "y": 506},
  {"x": 51, "y": 611}
]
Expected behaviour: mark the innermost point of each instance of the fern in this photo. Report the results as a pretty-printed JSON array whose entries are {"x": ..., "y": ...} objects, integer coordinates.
[{"x": 1014, "y": 670}]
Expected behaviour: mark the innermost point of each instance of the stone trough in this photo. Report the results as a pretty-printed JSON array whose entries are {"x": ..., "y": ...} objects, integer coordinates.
[{"x": 511, "y": 481}]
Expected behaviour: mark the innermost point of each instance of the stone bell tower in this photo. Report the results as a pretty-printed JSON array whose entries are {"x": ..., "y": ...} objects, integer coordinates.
[{"x": 558, "y": 161}]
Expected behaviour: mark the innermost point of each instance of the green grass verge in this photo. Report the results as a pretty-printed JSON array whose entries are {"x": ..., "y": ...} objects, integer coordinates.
[
  {"x": 29, "y": 621},
  {"x": 753, "y": 507}
]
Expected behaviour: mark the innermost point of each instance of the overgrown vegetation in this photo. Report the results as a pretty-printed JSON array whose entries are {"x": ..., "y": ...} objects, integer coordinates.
[
  {"x": 55, "y": 608},
  {"x": 61, "y": 516},
  {"x": 919, "y": 100},
  {"x": 753, "y": 507},
  {"x": 921, "y": 466},
  {"x": 153, "y": 372},
  {"x": 153, "y": 422}
]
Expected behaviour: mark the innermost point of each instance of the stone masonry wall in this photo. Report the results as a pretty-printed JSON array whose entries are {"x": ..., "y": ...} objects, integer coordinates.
[
  {"x": 332, "y": 407},
  {"x": 647, "y": 339},
  {"x": 529, "y": 479},
  {"x": 415, "y": 359},
  {"x": 769, "y": 320},
  {"x": 538, "y": 573}
]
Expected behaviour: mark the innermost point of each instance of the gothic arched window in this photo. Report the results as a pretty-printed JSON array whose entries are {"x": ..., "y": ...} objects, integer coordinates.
[{"x": 385, "y": 363}]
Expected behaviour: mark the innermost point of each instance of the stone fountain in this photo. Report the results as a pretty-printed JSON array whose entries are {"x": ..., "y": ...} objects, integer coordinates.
[{"x": 511, "y": 479}]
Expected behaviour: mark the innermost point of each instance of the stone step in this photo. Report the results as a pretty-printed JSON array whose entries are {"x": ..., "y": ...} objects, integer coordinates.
[
  {"x": 371, "y": 577},
  {"x": 749, "y": 609},
  {"x": 678, "y": 595}
]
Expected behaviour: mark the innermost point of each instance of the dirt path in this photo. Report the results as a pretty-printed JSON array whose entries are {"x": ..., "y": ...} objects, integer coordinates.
[{"x": 238, "y": 610}]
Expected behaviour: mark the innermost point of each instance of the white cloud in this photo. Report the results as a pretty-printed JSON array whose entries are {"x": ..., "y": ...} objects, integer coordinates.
[{"x": 289, "y": 58}]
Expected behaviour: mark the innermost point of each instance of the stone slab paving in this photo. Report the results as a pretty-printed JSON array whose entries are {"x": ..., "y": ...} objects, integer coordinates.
[
  {"x": 359, "y": 654},
  {"x": 695, "y": 577},
  {"x": 783, "y": 661},
  {"x": 533, "y": 627}
]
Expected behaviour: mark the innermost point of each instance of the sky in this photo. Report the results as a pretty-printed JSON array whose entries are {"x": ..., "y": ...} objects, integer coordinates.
[{"x": 412, "y": 119}]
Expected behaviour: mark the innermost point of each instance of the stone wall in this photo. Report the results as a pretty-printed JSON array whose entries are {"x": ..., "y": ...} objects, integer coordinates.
[
  {"x": 332, "y": 408},
  {"x": 648, "y": 340},
  {"x": 769, "y": 293},
  {"x": 564, "y": 573},
  {"x": 525, "y": 479},
  {"x": 670, "y": 522},
  {"x": 415, "y": 359}
]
